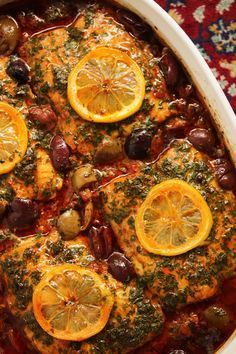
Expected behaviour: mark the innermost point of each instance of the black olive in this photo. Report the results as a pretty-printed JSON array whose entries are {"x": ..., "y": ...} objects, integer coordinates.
[
  {"x": 18, "y": 70},
  {"x": 60, "y": 153},
  {"x": 169, "y": 67},
  {"x": 222, "y": 166},
  {"x": 9, "y": 35},
  {"x": 22, "y": 214},
  {"x": 225, "y": 174},
  {"x": 228, "y": 181},
  {"x": 202, "y": 139},
  {"x": 137, "y": 145},
  {"x": 120, "y": 267},
  {"x": 44, "y": 116},
  {"x": 100, "y": 239}
]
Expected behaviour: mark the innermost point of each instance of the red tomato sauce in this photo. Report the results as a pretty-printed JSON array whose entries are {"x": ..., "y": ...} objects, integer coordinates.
[{"x": 12, "y": 340}]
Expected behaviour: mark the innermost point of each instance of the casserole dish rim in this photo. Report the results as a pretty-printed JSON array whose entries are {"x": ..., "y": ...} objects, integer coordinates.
[
  {"x": 203, "y": 78},
  {"x": 197, "y": 68},
  {"x": 201, "y": 75}
]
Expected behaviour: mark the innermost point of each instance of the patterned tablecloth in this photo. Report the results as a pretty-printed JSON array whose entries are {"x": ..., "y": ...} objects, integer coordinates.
[{"x": 211, "y": 25}]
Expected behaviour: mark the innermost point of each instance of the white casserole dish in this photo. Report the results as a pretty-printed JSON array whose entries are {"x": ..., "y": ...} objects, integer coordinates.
[{"x": 172, "y": 34}]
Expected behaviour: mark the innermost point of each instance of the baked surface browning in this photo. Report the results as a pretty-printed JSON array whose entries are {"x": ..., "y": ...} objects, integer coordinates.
[
  {"x": 53, "y": 54},
  {"x": 134, "y": 320},
  {"x": 193, "y": 276},
  {"x": 160, "y": 285}
]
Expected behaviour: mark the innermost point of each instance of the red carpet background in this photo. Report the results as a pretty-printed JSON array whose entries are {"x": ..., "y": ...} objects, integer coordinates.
[{"x": 212, "y": 27}]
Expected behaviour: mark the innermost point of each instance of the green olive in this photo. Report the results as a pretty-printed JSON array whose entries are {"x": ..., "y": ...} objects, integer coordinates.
[
  {"x": 69, "y": 224},
  {"x": 83, "y": 176},
  {"x": 217, "y": 317},
  {"x": 109, "y": 151},
  {"x": 9, "y": 35}
]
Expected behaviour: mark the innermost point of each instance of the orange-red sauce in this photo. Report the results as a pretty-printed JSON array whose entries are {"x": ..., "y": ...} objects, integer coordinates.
[{"x": 11, "y": 338}]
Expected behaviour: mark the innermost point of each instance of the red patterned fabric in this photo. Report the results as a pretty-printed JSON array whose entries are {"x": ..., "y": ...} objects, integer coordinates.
[{"x": 212, "y": 27}]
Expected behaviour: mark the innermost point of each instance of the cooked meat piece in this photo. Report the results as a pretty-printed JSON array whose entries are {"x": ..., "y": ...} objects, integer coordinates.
[
  {"x": 51, "y": 56},
  {"x": 195, "y": 275},
  {"x": 10, "y": 92},
  {"x": 34, "y": 177},
  {"x": 134, "y": 320}
]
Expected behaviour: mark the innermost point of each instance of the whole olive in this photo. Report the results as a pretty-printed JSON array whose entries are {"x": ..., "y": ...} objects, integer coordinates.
[
  {"x": 83, "y": 176},
  {"x": 228, "y": 181},
  {"x": 44, "y": 115},
  {"x": 22, "y": 213},
  {"x": 9, "y": 35},
  {"x": 217, "y": 317},
  {"x": 69, "y": 224},
  {"x": 18, "y": 70},
  {"x": 120, "y": 267},
  {"x": 202, "y": 139},
  {"x": 169, "y": 67},
  {"x": 225, "y": 173},
  {"x": 137, "y": 145},
  {"x": 59, "y": 154},
  {"x": 222, "y": 166},
  {"x": 109, "y": 151}
]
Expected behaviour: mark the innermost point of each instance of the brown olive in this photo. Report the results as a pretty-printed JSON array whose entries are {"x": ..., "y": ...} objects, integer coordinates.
[
  {"x": 69, "y": 224},
  {"x": 217, "y": 317},
  {"x": 120, "y": 267},
  {"x": 22, "y": 214},
  {"x": 202, "y": 139},
  {"x": 228, "y": 181},
  {"x": 59, "y": 154},
  {"x": 225, "y": 173},
  {"x": 109, "y": 151},
  {"x": 101, "y": 241},
  {"x": 96, "y": 242},
  {"x": 222, "y": 166},
  {"x": 18, "y": 70},
  {"x": 170, "y": 67},
  {"x": 9, "y": 35},
  {"x": 44, "y": 116}
]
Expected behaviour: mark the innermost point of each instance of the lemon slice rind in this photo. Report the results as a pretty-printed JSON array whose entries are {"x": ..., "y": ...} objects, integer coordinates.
[
  {"x": 126, "y": 111},
  {"x": 204, "y": 226},
  {"x": 16, "y": 129},
  {"x": 97, "y": 282}
]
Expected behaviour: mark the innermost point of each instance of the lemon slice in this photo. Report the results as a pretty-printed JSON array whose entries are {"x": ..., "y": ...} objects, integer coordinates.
[
  {"x": 72, "y": 303},
  {"x": 13, "y": 137},
  {"x": 173, "y": 219},
  {"x": 106, "y": 86}
]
